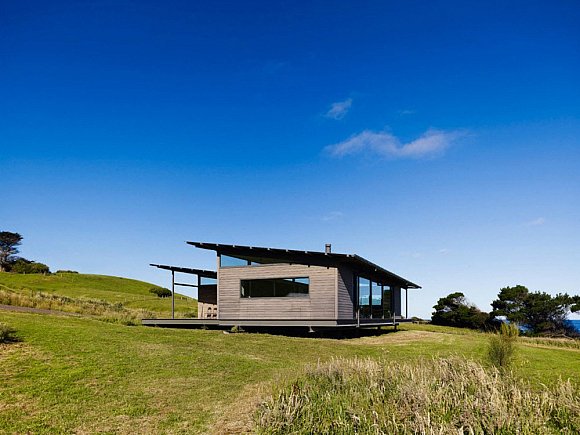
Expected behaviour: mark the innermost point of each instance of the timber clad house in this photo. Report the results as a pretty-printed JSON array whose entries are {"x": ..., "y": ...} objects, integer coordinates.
[{"x": 269, "y": 287}]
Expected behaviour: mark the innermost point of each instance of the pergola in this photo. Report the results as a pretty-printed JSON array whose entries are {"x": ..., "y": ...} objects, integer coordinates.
[{"x": 199, "y": 273}]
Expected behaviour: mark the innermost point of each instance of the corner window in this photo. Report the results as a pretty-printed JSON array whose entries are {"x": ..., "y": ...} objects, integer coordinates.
[{"x": 277, "y": 287}]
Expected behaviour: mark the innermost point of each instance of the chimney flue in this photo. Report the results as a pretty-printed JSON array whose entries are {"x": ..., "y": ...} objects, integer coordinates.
[{"x": 328, "y": 248}]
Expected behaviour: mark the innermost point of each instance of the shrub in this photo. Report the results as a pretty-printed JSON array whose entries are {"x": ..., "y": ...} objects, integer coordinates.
[
  {"x": 25, "y": 266},
  {"x": 7, "y": 333},
  {"x": 66, "y": 271},
  {"x": 439, "y": 396},
  {"x": 161, "y": 292},
  {"x": 502, "y": 345}
]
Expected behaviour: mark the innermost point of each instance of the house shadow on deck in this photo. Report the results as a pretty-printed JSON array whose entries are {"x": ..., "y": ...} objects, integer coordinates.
[{"x": 330, "y": 333}]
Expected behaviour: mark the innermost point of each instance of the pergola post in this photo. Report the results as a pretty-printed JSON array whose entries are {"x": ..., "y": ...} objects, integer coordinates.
[{"x": 173, "y": 294}]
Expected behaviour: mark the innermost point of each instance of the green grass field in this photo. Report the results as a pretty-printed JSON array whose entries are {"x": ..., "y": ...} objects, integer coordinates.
[
  {"x": 131, "y": 293},
  {"x": 81, "y": 375}
]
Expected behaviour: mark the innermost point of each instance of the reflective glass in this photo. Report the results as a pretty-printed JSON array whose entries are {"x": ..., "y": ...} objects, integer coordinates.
[
  {"x": 227, "y": 261},
  {"x": 278, "y": 287}
]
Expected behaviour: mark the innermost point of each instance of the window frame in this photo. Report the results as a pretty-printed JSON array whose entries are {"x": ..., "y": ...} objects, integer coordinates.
[{"x": 298, "y": 296}]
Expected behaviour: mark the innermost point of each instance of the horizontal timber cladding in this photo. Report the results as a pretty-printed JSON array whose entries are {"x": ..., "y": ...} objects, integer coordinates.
[
  {"x": 345, "y": 293},
  {"x": 320, "y": 303}
]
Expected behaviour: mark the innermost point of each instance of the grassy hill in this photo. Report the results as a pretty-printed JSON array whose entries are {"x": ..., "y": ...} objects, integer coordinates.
[
  {"x": 131, "y": 293},
  {"x": 77, "y": 374},
  {"x": 74, "y": 374}
]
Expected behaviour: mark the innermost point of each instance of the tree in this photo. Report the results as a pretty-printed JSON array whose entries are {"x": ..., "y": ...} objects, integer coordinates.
[
  {"x": 455, "y": 310},
  {"x": 9, "y": 243},
  {"x": 539, "y": 312},
  {"x": 24, "y": 266}
]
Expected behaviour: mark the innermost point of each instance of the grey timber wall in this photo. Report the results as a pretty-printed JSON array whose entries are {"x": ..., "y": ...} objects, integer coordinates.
[
  {"x": 345, "y": 293},
  {"x": 320, "y": 303}
]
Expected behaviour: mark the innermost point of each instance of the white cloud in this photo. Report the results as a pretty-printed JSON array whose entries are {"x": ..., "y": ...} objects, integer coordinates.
[
  {"x": 339, "y": 110},
  {"x": 444, "y": 251},
  {"x": 332, "y": 216},
  {"x": 385, "y": 144},
  {"x": 536, "y": 222},
  {"x": 405, "y": 112}
]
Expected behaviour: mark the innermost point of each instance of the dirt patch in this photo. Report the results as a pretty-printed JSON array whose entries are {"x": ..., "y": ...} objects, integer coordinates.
[
  {"x": 237, "y": 417},
  {"x": 401, "y": 337},
  {"x": 36, "y": 310}
]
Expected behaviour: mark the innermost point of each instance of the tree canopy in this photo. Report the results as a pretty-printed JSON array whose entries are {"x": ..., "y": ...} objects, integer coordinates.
[
  {"x": 539, "y": 312},
  {"x": 455, "y": 310},
  {"x": 9, "y": 243}
]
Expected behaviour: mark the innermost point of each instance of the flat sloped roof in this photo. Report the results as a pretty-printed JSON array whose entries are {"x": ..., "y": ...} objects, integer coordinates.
[{"x": 359, "y": 264}]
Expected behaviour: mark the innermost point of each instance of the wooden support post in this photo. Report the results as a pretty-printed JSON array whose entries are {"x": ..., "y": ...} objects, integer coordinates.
[
  {"x": 406, "y": 303},
  {"x": 173, "y": 294}
]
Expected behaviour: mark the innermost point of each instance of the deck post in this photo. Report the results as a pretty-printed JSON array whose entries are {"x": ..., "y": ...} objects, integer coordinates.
[{"x": 173, "y": 294}]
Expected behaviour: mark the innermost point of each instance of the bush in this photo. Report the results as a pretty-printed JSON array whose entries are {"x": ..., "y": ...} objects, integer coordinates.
[
  {"x": 161, "y": 292},
  {"x": 66, "y": 271},
  {"x": 7, "y": 333},
  {"x": 25, "y": 266},
  {"x": 439, "y": 396},
  {"x": 502, "y": 345},
  {"x": 455, "y": 310}
]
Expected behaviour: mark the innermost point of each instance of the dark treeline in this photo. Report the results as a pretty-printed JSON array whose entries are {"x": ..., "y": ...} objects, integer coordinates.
[{"x": 537, "y": 313}]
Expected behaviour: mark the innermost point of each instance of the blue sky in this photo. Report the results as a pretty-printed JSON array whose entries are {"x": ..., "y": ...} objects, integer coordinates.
[{"x": 438, "y": 139}]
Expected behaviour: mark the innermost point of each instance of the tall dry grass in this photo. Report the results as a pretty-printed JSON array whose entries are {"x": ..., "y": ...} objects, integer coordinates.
[
  {"x": 440, "y": 396},
  {"x": 101, "y": 310}
]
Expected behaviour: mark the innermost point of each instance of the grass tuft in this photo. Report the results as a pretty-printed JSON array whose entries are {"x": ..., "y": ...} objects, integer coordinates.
[
  {"x": 502, "y": 346},
  {"x": 430, "y": 396},
  {"x": 7, "y": 333}
]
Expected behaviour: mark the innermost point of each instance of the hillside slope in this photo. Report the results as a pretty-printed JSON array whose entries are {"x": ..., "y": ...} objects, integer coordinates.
[
  {"x": 79, "y": 375},
  {"x": 129, "y": 292}
]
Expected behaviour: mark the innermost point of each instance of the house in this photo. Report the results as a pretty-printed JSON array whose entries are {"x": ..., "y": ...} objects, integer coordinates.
[{"x": 270, "y": 287}]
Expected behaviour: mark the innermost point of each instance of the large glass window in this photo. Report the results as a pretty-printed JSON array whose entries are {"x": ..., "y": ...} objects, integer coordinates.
[
  {"x": 376, "y": 300},
  {"x": 278, "y": 287},
  {"x": 207, "y": 281},
  {"x": 364, "y": 297}
]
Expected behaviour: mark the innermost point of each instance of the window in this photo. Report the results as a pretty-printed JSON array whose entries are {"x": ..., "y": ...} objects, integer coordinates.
[
  {"x": 278, "y": 287},
  {"x": 376, "y": 300},
  {"x": 228, "y": 261},
  {"x": 364, "y": 297},
  {"x": 207, "y": 281}
]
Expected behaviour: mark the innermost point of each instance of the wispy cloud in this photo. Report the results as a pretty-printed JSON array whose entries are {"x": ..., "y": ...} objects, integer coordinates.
[
  {"x": 332, "y": 216},
  {"x": 339, "y": 110},
  {"x": 444, "y": 251},
  {"x": 405, "y": 112},
  {"x": 536, "y": 222},
  {"x": 430, "y": 143}
]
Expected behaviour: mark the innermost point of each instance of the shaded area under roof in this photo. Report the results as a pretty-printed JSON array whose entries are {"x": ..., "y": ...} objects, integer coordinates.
[
  {"x": 198, "y": 272},
  {"x": 358, "y": 264}
]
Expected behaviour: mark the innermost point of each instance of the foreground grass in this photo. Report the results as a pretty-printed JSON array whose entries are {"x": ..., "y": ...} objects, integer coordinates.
[
  {"x": 452, "y": 395},
  {"x": 132, "y": 294},
  {"x": 80, "y": 375}
]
